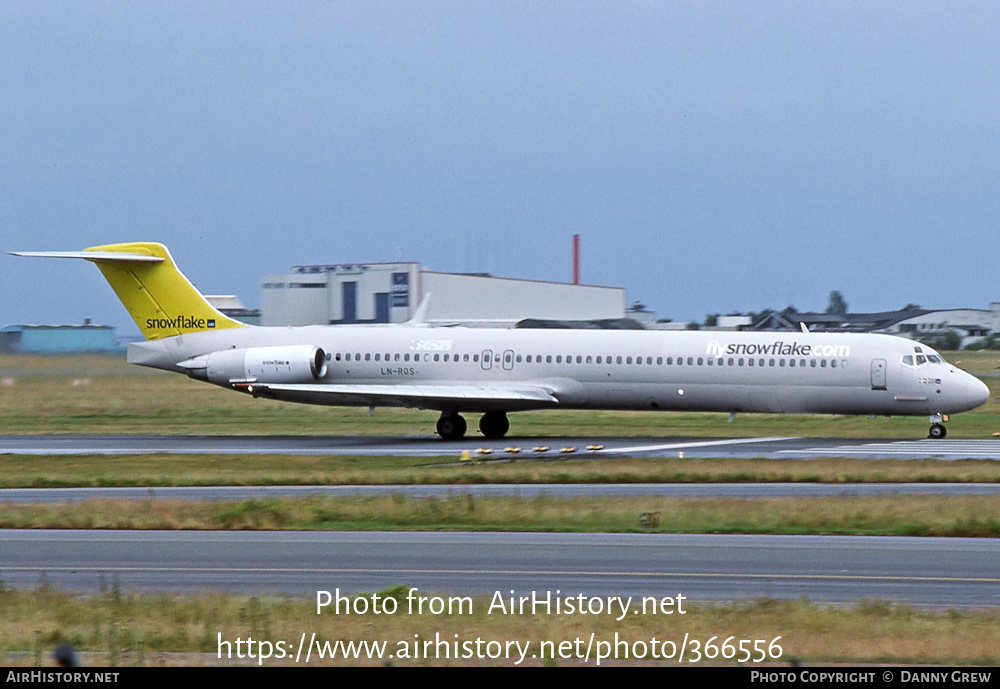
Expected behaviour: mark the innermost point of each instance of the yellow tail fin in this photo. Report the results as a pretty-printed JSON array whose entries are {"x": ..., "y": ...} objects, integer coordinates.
[{"x": 161, "y": 301}]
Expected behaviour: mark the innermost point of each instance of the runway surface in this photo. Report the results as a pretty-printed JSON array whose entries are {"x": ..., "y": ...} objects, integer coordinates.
[
  {"x": 766, "y": 448},
  {"x": 939, "y": 572}
]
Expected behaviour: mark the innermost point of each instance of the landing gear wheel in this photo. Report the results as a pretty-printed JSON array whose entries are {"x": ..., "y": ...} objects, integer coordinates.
[
  {"x": 937, "y": 431},
  {"x": 451, "y": 427},
  {"x": 494, "y": 425}
]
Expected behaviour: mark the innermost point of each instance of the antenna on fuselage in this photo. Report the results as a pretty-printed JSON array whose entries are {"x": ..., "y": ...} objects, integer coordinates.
[
  {"x": 419, "y": 318},
  {"x": 805, "y": 328}
]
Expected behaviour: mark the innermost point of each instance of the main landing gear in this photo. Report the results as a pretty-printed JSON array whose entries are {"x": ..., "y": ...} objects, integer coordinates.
[
  {"x": 938, "y": 430},
  {"x": 493, "y": 425},
  {"x": 451, "y": 427}
]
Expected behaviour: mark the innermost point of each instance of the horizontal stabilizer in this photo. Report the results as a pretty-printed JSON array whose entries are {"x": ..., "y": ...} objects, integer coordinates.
[{"x": 91, "y": 256}]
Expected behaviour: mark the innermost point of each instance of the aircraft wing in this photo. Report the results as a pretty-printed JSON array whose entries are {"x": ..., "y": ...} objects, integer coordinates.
[{"x": 461, "y": 397}]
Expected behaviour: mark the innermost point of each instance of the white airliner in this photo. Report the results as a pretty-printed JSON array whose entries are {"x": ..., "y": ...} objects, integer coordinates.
[{"x": 496, "y": 371}]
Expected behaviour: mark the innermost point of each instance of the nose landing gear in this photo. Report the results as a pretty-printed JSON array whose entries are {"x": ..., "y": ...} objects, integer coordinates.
[{"x": 938, "y": 430}]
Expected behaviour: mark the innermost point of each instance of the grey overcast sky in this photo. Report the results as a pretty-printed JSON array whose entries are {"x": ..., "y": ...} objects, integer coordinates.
[{"x": 713, "y": 156}]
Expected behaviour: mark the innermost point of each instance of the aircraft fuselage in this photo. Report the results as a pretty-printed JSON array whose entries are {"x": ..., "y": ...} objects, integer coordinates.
[{"x": 811, "y": 373}]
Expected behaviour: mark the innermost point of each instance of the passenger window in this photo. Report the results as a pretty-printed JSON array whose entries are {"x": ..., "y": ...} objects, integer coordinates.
[
  {"x": 690, "y": 361},
  {"x": 659, "y": 361},
  {"x": 368, "y": 356},
  {"x": 559, "y": 359}
]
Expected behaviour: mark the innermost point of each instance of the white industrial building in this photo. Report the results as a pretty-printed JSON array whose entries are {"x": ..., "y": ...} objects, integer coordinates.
[
  {"x": 392, "y": 292},
  {"x": 916, "y": 323}
]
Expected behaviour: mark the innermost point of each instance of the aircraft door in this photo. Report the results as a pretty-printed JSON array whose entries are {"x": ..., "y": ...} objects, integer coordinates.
[
  {"x": 878, "y": 374},
  {"x": 487, "y": 361},
  {"x": 508, "y": 360}
]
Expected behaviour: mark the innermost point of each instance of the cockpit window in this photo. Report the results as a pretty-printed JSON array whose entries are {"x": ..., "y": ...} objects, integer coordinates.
[
  {"x": 921, "y": 359},
  {"x": 935, "y": 359},
  {"x": 908, "y": 360}
]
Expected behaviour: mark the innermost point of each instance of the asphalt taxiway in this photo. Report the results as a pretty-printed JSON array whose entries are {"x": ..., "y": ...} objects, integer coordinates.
[{"x": 938, "y": 572}]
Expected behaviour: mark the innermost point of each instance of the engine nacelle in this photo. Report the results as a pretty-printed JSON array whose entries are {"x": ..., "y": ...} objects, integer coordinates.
[{"x": 292, "y": 364}]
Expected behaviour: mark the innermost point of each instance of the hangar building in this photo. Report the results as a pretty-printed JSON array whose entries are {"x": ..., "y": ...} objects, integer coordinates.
[
  {"x": 57, "y": 339},
  {"x": 392, "y": 292}
]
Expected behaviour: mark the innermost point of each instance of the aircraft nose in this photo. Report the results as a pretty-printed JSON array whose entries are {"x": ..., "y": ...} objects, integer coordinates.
[{"x": 979, "y": 393}]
